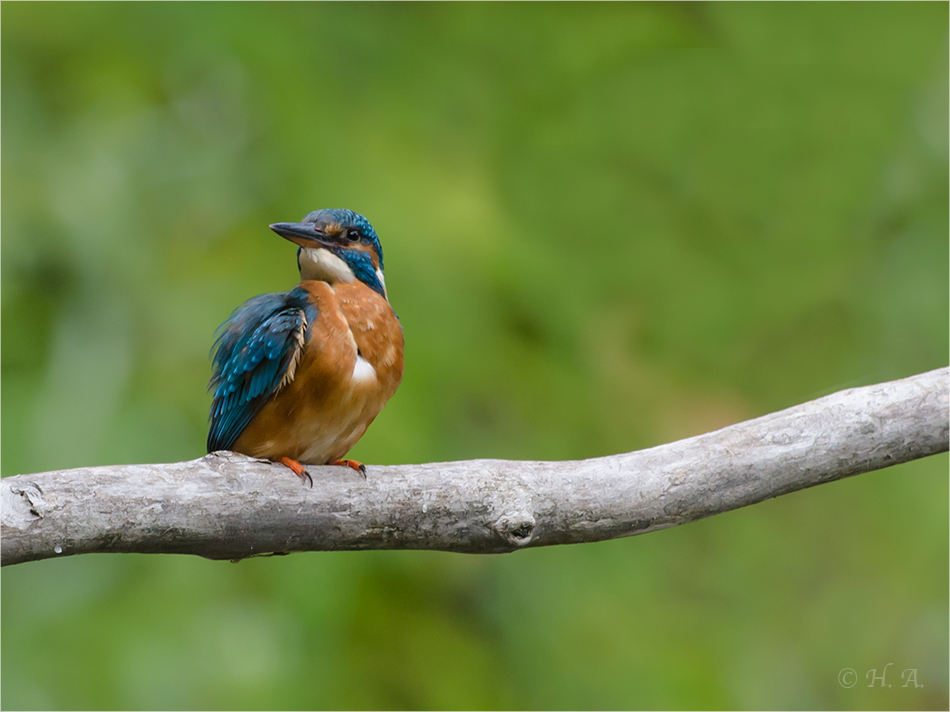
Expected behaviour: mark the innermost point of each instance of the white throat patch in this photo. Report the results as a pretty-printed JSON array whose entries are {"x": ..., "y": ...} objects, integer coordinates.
[{"x": 321, "y": 264}]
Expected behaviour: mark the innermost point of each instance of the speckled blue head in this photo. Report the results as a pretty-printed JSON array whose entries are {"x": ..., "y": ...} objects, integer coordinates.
[
  {"x": 337, "y": 220},
  {"x": 346, "y": 235}
]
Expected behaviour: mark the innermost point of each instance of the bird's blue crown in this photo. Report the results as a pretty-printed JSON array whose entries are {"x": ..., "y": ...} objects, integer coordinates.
[{"x": 347, "y": 220}]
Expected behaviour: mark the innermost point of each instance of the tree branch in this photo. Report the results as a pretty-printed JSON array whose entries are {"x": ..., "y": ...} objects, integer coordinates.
[{"x": 227, "y": 506}]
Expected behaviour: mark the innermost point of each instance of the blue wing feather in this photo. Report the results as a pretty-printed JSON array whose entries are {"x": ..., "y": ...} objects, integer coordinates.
[{"x": 253, "y": 351}]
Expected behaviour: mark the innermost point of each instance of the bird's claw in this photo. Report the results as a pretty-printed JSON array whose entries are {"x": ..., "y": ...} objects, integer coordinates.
[
  {"x": 352, "y": 464},
  {"x": 297, "y": 469}
]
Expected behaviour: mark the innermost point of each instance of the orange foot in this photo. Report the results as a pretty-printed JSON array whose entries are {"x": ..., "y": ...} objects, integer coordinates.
[
  {"x": 358, "y": 466},
  {"x": 297, "y": 468}
]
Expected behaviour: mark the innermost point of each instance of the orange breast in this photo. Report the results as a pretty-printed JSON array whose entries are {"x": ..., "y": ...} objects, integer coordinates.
[{"x": 349, "y": 368}]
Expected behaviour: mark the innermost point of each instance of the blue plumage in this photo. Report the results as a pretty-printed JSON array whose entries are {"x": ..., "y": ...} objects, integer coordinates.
[
  {"x": 253, "y": 352},
  {"x": 363, "y": 269}
]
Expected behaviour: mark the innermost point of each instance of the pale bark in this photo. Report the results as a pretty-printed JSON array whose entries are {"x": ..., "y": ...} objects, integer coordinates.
[{"x": 226, "y": 506}]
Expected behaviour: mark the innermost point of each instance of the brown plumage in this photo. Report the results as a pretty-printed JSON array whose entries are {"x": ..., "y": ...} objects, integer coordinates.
[{"x": 324, "y": 410}]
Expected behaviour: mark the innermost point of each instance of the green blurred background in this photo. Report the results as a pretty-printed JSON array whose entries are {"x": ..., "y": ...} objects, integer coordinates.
[{"x": 606, "y": 227}]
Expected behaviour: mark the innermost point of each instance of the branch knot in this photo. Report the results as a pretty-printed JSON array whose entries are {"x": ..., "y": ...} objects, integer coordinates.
[
  {"x": 23, "y": 505},
  {"x": 515, "y": 528}
]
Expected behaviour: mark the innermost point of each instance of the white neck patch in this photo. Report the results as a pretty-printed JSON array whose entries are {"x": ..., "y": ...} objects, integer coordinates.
[
  {"x": 321, "y": 264},
  {"x": 382, "y": 281}
]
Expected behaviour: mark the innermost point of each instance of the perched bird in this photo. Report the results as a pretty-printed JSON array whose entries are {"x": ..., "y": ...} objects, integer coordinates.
[{"x": 299, "y": 376}]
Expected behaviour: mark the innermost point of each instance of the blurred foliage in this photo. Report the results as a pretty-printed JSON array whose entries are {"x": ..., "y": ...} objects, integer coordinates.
[{"x": 606, "y": 226}]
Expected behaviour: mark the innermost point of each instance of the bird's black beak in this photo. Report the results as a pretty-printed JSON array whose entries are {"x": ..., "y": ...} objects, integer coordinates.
[{"x": 303, "y": 234}]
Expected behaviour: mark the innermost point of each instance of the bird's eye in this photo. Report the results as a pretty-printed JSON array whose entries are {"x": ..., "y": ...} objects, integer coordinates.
[{"x": 352, "y": 235}]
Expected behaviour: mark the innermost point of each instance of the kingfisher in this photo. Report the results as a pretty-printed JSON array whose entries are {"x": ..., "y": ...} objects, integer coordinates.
[{"x": 299, "y": 376}]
